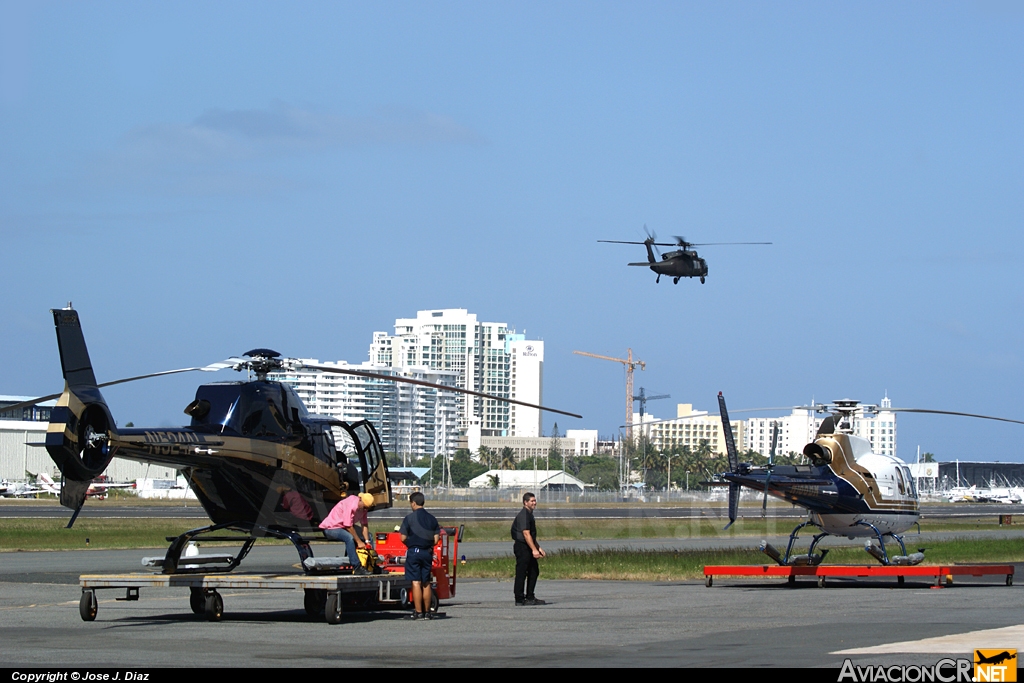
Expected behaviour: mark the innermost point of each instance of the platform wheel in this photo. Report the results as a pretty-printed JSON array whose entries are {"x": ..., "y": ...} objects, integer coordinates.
[
  {"x": 88, "y": 606},
  {"x": 315, "y": 601},
  {"x": 708, "y": 580},
  {"x": 332, "y": 611},
  {"x": 901, "y": 580},
  {"x": 434, "y": 602},
  {"x": 821, "y": 582},
  {"x": 214, "y": 606},
  {"x": 791, "y": 580},
  {"x": 1009, "y": 579},
  {"x": 197, "y": 600}
]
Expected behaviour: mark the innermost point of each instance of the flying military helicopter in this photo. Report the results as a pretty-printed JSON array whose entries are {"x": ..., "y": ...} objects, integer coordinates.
[
  {"x": 681, "y": 262},
  {"x": 258, "y": 462},
  {"x": 847, "y": 488}
]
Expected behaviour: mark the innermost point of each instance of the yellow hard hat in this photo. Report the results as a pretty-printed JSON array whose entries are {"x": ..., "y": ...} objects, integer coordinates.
[{"x": 367, "y": 499}]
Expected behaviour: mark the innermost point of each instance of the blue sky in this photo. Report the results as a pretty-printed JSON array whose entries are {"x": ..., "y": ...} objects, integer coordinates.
[{"x": 201, "y": 180}]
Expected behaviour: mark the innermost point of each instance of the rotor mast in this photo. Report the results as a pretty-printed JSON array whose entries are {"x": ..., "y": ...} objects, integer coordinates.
[{"x": 630, "y": 364}]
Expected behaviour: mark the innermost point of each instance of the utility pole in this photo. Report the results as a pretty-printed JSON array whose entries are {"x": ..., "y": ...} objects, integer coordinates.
[{"x": 630, "y": 364}]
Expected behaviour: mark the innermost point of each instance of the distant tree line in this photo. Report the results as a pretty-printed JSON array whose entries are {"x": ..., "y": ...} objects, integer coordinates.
[{"x": 689, "y": 466}]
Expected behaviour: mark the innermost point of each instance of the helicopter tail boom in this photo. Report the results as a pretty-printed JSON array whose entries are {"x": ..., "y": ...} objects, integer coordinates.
[{"x": 80, "y": 425}]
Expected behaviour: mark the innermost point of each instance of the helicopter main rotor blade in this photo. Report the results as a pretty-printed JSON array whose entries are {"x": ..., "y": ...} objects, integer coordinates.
[
  {"x": 213, "y": 367},
  {"x": 950, "y": 412},
  {"x": 653, "y": 244},
  {"x": 828, "y": 407},
  {"x": 719, "y": 244},
  {"x": 442, "y": 387}
]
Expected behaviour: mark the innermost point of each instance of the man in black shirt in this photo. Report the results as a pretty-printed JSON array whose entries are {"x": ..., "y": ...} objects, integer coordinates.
[
  {"x": 527, "y": 551},
  {"x": 420, "y": 533}
]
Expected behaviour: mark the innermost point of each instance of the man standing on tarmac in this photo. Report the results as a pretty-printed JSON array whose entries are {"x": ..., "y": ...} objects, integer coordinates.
[
  {"x": 527, "y": 552},
  {"x": 420, "y": 532}
]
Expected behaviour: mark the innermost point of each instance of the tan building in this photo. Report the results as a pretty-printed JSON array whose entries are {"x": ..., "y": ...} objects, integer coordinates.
[
  {"x": 689, "y": 428},
  {"x": 576, "y": 442}
]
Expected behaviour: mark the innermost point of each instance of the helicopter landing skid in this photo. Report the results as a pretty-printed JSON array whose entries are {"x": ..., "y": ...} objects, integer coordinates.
[
  {"x": 880, "y": 552},
  {"x": 789, "y": 560},
  {"x": 174, "y": 563},
  {"x": 882, "y": 555}
]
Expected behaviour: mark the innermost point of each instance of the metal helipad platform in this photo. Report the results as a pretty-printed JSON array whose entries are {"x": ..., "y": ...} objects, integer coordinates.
[
  {"x": 941, "y": 574},
  {"x": 324, "y": 594},
  {"x": 347, "y": 582}
]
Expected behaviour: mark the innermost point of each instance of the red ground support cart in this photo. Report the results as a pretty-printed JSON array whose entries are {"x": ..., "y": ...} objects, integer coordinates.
[
  {"x": 391, "y": 551},
  {"x": 940, "y": 575}
]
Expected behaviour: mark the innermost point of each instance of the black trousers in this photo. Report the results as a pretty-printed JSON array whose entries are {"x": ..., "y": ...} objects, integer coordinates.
[{"x": 527, "y": 571}]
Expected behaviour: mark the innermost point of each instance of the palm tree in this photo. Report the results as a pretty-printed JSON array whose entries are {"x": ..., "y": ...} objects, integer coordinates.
[
  {"x": 507, "y": 459},
  {"x": 486, "y": 457}
]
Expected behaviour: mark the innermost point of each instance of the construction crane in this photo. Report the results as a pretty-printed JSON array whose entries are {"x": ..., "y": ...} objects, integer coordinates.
[
  {"x": 630, "y": 364},
  {"x": 644, "y": 398}
]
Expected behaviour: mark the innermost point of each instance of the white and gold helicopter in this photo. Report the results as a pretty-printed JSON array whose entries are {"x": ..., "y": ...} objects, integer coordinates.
[{"x": 848, "y": 489}]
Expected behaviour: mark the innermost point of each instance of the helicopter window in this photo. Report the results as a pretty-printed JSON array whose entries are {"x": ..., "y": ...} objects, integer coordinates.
[
  {"x": 900, "y": 483},
  {"x": 369, "y": 446},
  {"x": 223, "y": 413},
  {"x": 264, "y": 415},
  {"x": 344, "y": 444},
  {"x": 294, "y": 409},
  {"x": 910, "y": 481}
]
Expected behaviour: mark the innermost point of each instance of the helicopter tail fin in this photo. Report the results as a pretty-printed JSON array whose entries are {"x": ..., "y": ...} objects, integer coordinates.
[
  {"x": 80, "y": 425},
  {"x": 650, "y": 250}
]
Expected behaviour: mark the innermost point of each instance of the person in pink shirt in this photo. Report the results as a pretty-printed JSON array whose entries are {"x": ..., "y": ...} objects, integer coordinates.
[
  {"x": 293, "y": 502},
  {"x": 340, "y": 526}
]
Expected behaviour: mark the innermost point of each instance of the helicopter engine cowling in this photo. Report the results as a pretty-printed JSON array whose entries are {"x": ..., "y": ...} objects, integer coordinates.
[{"x": 818, "y": 454}]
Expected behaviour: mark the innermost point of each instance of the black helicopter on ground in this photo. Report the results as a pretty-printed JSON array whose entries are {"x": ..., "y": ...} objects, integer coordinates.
[
  {"x": 847, "y": 489},
  {"x": 258, "y": 462},
  {"x": 681, "y": 262}
]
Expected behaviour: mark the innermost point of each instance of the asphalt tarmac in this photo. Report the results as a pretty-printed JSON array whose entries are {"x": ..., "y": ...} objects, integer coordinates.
[{"x": 738, "y": 622}]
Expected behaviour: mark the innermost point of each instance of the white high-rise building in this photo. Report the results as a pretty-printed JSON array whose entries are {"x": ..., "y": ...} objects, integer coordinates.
[
  {"x": 525, "y": 384},
  {"x": 411, "y": 420},
  {"x": 488, "y": 357}
]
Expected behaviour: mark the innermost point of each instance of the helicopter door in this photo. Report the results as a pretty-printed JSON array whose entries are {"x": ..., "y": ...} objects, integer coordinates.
[{"x": 374, "y": 466}]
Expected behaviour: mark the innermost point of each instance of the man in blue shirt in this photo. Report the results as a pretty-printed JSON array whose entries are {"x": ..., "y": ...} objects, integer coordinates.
[{"x": 420, "y": 532}]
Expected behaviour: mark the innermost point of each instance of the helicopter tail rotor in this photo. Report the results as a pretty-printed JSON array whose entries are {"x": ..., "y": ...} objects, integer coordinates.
[
  {"x": 80, "y": 425},
  {"x": 653, "y": 253}
]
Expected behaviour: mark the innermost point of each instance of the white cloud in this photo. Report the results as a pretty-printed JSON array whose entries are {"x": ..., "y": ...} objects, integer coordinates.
[{"x": 229, "y": 135}]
